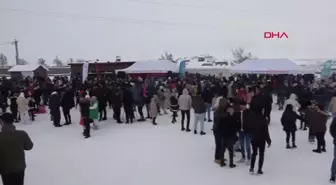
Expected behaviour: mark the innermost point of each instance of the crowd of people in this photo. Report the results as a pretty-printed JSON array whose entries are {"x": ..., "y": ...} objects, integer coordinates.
[{"x": 239, "y": 107}]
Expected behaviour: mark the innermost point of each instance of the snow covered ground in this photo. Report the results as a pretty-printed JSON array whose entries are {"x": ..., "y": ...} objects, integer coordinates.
[{"x": 143, "y": 154}]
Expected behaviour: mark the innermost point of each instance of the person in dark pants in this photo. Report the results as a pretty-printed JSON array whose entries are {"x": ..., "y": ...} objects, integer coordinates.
[
  {"x": 102, "y": 102},
  {"x": 14, "y": 107},
  {"x": 317, "y": 120},
  {"x": 228, "y": 128},
  {"x": 333, "y": 165},
  {"x": 260, "y": 136},
  {"x": 218, "y": 113},
  {"x": 288, "y": 121},
  {"x": 13, "y": 144},
  {"x": 54, "y": 105},
  {"x": 128, "y": 103},
  {"x": 174, "y": 107},
  {"x": 67, "y": 103},
  {"x": 84, "y": 104},
  {"x": 185, "y": 104}
]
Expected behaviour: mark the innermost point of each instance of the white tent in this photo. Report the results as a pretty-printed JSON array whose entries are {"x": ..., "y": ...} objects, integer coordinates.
[
  {"x": 268, "y": 66},
  {"x": 152, "y": 66}
]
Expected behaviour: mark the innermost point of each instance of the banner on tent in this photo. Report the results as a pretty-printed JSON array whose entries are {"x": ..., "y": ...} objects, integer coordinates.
[
  {"x": 85, "y": 71},
  {"x": 182, "y": 68}
]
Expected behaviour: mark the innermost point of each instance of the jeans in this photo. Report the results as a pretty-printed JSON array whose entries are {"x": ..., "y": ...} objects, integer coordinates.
[
  {"x": 288, "y": 134},
  {"x": 333, "y": 165},
  {"x": 199, "y": 118},
  {"x": 184, "y": 114},
  {"x": 245, "y": 141},
  {"x": 258, "y": 146},
  {"x": 208, "y": 110}
]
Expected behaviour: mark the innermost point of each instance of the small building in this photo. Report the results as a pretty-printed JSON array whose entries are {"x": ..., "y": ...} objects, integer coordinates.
[
  {"x": 103, "y": 67},
  {"x": 31, "y": 70}
]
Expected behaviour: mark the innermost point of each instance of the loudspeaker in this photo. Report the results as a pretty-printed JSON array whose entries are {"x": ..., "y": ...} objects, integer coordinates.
[{"x": 121, "y": 74}]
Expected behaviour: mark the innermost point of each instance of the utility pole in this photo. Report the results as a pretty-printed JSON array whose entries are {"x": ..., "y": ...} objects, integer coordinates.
[{"x": 15, "y": 42}]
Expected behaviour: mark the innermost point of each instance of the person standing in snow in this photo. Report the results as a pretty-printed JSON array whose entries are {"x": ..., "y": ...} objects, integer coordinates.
[
  {"x": 13, "y": 144},
  {"x": 84, "y": 104},
  {"x": 260, "y": 136},
  {"x": 333, "y": 164},
  {"x": 153, "y": 110},
  {"x": 174, "y": 107},
  {"x": 185, "y": 103},
  {"x": 288, "y": 121},
  {"x": 23, "y": 108},
  {"x": 199, "y": 113},
  {"x": 54, "y": 106},
  {"x": 244, "y": 119},
  {"x": 94, "y": 105}
]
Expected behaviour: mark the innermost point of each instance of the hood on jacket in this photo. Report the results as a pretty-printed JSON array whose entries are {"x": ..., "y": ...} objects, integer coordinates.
[
  {"x": 185, "y": 91},
  {"x": 21, "y": 95},
  {"x": 293, "y": 96}
]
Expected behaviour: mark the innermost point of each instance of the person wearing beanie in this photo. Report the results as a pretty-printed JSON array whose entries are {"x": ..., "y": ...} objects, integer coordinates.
[{"x": 13, "y": 144}]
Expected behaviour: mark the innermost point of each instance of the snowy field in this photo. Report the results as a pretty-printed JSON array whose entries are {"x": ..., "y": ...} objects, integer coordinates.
[{"x": 143, "y": 154}]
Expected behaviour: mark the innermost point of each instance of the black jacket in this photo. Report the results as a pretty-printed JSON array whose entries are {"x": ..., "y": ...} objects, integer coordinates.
[
  {"x": 246, "y": 126},
  {"x": 54, "y": 104},
  {"x": 228, "y": 127},
  {"x": 13, "y": 143},
  {"x": 84, "y": 107},
  {"x": 332, "y": 130},
  {"x": 199, "y": 105},
  {"x": 67, "y": 101},
  {"x": 288, "y": 121},
  {"x": 260, "y": 129}
]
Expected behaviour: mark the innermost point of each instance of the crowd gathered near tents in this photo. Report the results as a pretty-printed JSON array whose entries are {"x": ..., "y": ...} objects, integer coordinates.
[{"x": 239, "y": 106}]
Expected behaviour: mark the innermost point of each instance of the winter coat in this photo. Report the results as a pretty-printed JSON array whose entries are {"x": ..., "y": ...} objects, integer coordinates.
[
  {"x": 13, "y": 104},
  {"x": 259, "y": 130},
  {"x": 207, "y": 95},
  {"x": 174, "y": 106},
  {"x": 161, "y": 95},
  {"x": 127, "y": 98},
  {"x": 228, "y": 127},
  {"x": 332, "y": 130},
  {"x": 54, "y": 103},
  {"x": 153, "y": 108},
  {"x": 94, "y": 109},
  {"x": 13, "y": 143},
  {"x": 249, "y": 97},
  {"x": 84, "y": 107},
  {"x": 199, "y": 105},
  {"x": 293, "y": 101},
  {"x": 67, "y": 101},
  {"x": 185, "y": 101},
  {"x": 138, "y": 94},
  {"x": 288, "y": 121},
  {"x": 22, "y": 103},
  {"x": 317, "y": 121},
  {"x": 332, "y": 105},
  {"x": 247, "y": 125}
]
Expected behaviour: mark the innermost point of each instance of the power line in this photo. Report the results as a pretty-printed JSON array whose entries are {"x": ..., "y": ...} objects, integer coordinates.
[
  {"x": 95, "y": 18},
  {"x": 6, "y": 43}
]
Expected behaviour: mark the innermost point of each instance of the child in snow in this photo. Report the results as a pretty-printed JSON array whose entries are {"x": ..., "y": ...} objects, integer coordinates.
[
  {"x": 32, "y": 107},
  {"x": 153, "y": 110},
  {"x": 94, "y": 111},
  {"x": 174, "y": 106}
]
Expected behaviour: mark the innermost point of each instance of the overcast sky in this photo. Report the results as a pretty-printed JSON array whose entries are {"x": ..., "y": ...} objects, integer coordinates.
[{"x": 144, "y": 29}]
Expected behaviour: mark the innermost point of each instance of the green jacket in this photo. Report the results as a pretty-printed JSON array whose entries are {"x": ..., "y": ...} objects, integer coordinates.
[
  {"x": 94, "y": 109},
  {"x": 13, "y": 144}
]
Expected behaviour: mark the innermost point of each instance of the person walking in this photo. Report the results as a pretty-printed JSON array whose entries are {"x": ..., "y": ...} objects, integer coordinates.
[
  {"x": 244, "y": 120},
  {"x": 13, "y": 144},
  {"x": 185, "y": 103},
  {"x": 260, "y": 136},
  {"x": 54, "y": 106},
  {"x": 288, "y": 121}
]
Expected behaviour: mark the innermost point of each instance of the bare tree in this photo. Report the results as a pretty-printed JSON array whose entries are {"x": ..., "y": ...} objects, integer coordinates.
[
  {"x": 80, "y": 60},
  {"x": 167, "y": 56},
  {"x": 58, "y": 62},
  {"x": 240, "y": 56},
  {"x": 3, "y": 60},
  {"x": 70, "y": 61},
  {"x": 41, "y": 61},
  {"x": 22, "y": 61}
]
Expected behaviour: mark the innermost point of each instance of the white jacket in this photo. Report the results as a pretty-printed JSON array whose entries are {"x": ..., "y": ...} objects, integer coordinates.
[
  {"x": 22, "y": 103},
  {"x": 293, "y": 101}
]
